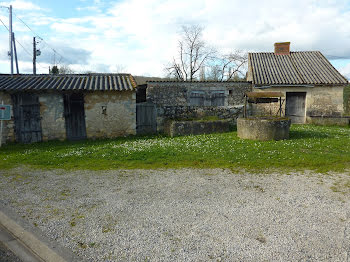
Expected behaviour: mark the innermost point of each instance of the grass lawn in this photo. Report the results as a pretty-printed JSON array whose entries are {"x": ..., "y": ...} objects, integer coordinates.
[{"x": 310, "y": 147}]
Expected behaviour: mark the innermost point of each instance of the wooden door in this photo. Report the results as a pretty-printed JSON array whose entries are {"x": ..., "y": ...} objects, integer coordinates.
[
  {"x": 146, "y": 118},
  {"x": 26, "y": 110},
  {"x": 295, "y": 106},
  {"x": 74, "y": 116}
]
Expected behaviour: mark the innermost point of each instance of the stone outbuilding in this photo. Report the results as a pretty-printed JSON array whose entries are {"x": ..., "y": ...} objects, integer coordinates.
[
  {"x": 313, "y": 88},
  {"x": 73, "y": 107}
]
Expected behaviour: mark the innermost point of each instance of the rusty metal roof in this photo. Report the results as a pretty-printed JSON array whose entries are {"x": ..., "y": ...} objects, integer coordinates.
[
  {"x": 297, "y": 68},
  {"x": 86, "y": 82}
]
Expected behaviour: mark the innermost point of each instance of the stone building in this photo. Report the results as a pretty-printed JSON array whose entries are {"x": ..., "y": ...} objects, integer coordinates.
[
  {"x": 193, "y": 100},
  {"x": 47, "y": 107},
  {"x": 313, "y": 88}
]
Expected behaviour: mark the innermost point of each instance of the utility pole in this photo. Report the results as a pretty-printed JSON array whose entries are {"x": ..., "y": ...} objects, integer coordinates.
[
  {"x": 11, "y": 39},
  {"x": 34, "y": 56},
  {"x": 15, "y": 50}
]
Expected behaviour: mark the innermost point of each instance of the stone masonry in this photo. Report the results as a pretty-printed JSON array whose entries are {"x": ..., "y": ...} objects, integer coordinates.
[
  {"x": 110, "y": 114},
  {"x": 8, "y": 134},
  {"x": 322, "y": 102},
  {"x": 172, "y": 100},
  {"x": 52, "y": 116},
  {"x": 107, "y": 114}
]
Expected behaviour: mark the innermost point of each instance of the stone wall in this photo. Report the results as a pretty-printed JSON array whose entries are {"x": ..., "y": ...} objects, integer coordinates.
[
  {"x": 263, "y": 129},
  {"x": 177, "y": 93},
  {"x": 172, "y": 100},
  {"x": 320, "y": 101},
  {"x": 110, "y": 114},
  {"x": 107, "y": 114},
  {"x": 192, "y": 112},
  {"x": 8, "y": 133},
  {"x": 52, "y": 116},
  {"x": 181, "y": 128}
]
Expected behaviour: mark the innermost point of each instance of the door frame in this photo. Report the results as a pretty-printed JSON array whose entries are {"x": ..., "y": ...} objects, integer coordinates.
[
  {"x": 292, "y": 117},
  {"x": 18, "y": 113},
  {"x": 67, "y": 103}
]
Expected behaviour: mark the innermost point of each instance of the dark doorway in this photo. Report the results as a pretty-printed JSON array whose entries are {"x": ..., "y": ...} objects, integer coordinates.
[
  {"x": 75, "y": 116},
  {"x": 26, "y": 110},
  {"x": 295, "y": 106}
]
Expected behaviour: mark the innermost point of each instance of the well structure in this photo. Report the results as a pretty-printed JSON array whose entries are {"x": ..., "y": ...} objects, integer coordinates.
[{"x": 263, "y": 128}]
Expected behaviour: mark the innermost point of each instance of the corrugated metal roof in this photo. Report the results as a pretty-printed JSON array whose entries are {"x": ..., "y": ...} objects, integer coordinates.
[
  {"x": 308, "y": 67},
  {"x": 90, "y": 82}
]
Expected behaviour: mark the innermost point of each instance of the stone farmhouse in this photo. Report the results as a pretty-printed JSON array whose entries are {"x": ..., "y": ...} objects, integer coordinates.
[
  {"x": 47, "y": 107},
  {"x": 313, "y": 88}
]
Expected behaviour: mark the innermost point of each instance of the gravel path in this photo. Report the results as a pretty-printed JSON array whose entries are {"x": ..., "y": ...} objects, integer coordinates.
[{"x": 186, "y": 214}]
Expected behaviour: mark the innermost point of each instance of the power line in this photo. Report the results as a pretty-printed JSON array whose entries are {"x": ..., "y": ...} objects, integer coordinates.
[
  {"x": 4, "y": 24},
  {"x": 53, "y": 49},
  {"x": 30, "y": 55}
]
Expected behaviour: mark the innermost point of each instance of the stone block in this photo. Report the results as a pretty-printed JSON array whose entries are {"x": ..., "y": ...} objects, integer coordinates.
[
  {"x": 179, "y": 128},
  {"x": 263, "y": 129}
]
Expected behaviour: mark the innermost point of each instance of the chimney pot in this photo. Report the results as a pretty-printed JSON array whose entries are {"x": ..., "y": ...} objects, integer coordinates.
[{"x": 282, "y": 48}]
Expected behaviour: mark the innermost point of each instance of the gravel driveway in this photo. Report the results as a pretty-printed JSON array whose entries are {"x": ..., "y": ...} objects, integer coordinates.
[{"x": 186, "y": 214}]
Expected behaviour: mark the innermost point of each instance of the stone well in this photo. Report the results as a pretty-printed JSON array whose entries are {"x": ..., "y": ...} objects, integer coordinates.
[{"x": 263, "y": 129}]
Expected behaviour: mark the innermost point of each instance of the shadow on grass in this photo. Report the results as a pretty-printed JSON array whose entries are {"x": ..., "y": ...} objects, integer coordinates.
[{"x": 303, "y": 134}]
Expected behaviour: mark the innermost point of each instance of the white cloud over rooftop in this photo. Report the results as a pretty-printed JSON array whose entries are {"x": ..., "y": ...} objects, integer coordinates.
[{"x": 142, "y": 35}]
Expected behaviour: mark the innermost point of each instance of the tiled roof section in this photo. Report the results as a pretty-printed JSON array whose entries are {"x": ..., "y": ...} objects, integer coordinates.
[
  {"x": 309, "y": 67},
  {"x": 88, "y": 82}
]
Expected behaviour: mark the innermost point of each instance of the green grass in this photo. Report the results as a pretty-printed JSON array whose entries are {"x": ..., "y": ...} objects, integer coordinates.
[{"x": 310, "y": 147}]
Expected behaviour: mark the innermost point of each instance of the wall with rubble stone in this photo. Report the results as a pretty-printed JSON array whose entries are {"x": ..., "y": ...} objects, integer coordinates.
[
  {"x": 52, "y": 116},
  {"x": 172, "y": 100},
  {"x": 8, "y": 133},
  {"x": 110, "y": 114},
  {"x": 178, "y": 93},
  {"x": 320, "y": 102}
]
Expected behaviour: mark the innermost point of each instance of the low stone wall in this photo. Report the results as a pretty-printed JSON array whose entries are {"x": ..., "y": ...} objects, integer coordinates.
[
  {"x": 165, "y": 113},
  {"x": 328, "y": 121},
  {"x": 263, "y": 129},
  {"x": 179, "y": 128}
]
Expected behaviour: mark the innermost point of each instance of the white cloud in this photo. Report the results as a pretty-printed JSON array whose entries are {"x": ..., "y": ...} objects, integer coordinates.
[
  {"x": 142, "y": 35},
  {"x": 345, "y": 71},
  {"x": 21, "y": 5}
]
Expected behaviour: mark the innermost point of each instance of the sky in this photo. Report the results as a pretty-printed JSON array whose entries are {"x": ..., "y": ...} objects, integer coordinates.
[{"x": 141, "y": 36}]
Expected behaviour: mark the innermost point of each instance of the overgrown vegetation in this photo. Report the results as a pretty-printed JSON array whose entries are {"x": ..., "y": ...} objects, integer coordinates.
[{"x": 310, "y": 147}]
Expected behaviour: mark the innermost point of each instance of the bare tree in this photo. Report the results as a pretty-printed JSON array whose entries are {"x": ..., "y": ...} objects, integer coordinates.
[
  {"x": 232, "y": 65},
  {"x": 227, "y": 67},
  {"x": 193, "y": 53},
  {"x": 65, "y": 69}
]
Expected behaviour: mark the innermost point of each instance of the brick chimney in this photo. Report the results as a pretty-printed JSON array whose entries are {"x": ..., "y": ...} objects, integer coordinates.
[{"x": 282, "y": 48}]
